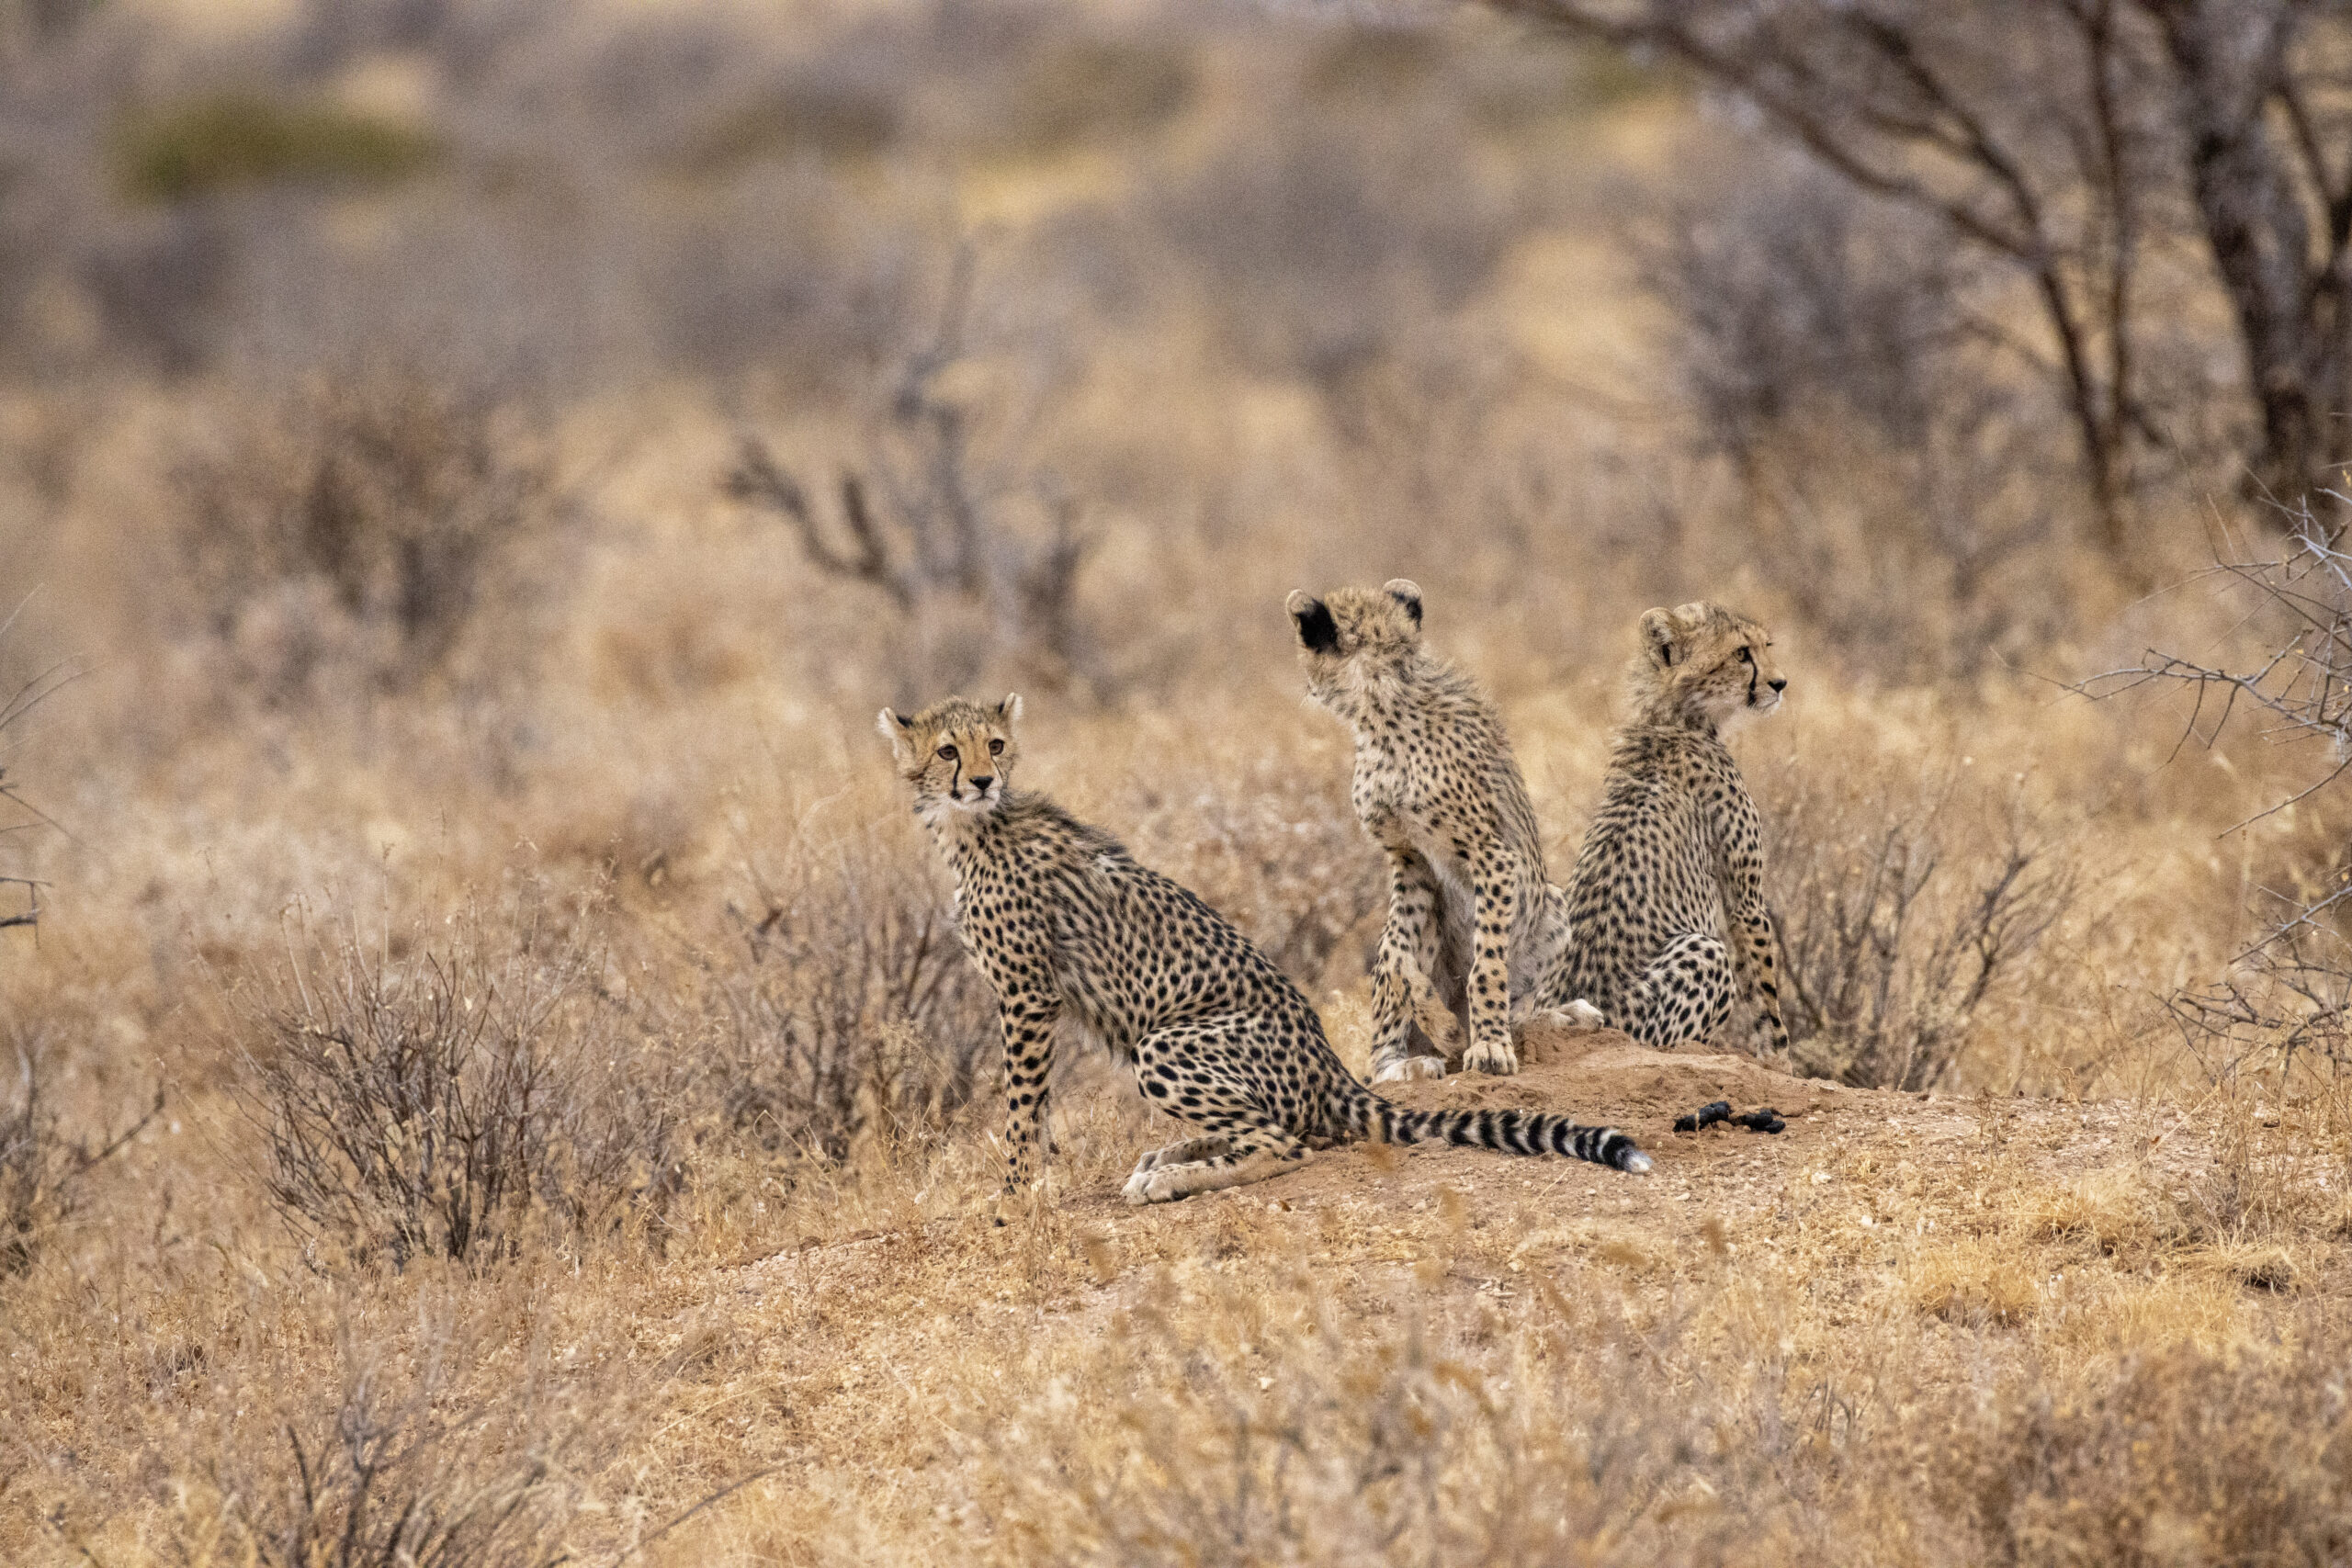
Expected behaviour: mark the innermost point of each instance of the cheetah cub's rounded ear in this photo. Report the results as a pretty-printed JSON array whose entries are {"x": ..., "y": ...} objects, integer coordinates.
[
  {"x": 1009, "y": 710},
  {"x": 1317, "y": 631},
  {"x": 1407, "y": 593},
  {"x": 1661, "y": 635},
  {"x": 894, "y": 729}
]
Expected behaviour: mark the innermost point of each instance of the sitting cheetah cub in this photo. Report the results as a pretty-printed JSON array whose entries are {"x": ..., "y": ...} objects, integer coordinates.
[
  {"x": 1065, "y": 923},
  {"x": 1469, "y": 911},
  {"x": 1675, "y": 854}
]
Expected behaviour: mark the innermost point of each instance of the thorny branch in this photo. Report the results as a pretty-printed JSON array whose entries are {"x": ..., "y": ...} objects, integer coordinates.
[{"x": 2290, "y": 992}]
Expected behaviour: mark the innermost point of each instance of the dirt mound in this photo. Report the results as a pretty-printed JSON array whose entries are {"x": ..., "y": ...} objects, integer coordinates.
[{"x": 1603, "y": 1075}]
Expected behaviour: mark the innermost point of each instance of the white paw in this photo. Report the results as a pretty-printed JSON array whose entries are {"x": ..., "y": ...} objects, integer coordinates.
[
  {"x": 1407, "y": 1068},
  {"x": 1162, "y": 1186},
  {"x": 1490, "y": 1058},
  {"x": 1582, "y": 1014}
]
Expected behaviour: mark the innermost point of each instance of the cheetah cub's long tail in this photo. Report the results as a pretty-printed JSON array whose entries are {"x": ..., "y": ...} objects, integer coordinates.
[{"x": 1506, "y": 1132}]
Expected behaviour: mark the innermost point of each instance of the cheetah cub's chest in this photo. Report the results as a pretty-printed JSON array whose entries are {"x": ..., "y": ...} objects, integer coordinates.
[{"x": 1403, "y": 809}]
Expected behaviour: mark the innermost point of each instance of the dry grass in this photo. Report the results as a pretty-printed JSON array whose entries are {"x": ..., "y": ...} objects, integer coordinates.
[{"x": 618, "y": 1132}]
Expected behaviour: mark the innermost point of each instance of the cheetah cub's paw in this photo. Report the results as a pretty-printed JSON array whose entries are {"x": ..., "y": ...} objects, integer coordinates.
[
  {"x": 1577, "y": 1014},
  {"x": 1160, "y": 1184},
  {"x": 1134, "y": 1190},
  {"x": 1498, "y": 1058},
  {"x": 1405, "y": 1069}
]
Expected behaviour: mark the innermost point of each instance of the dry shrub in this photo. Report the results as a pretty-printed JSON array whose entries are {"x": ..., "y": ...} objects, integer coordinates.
[
  {"x": 2285, "y": 1001},
  {"x": 358, "y": 524},
  {"x": 40, "y": 1168},
  {"x": 1972, "y": 1281},
  {"x": 375, "y": 1486},
  {"x": 980, "y": 564},
  {"x": 1088, "y": 91},
  {"x": 2182, "y": 1456},
  {"x": 1317, "y": 249},
  {"x": 851, "y": 1005},
  {"x": 184, "y": 151},
  {"x": 1274, "y": 847},
  {"x": 1905, "y": 899},
  {"x": 1907, "y": 489},
  {"x": 1277, "y": 1426},
  {"x": 2258, "y": 1266},
  {"x": 780, "y": 270},
  {"x": 395, "y": 1462},
  {"x": 2244, "y": 1214},
  {"x": 450, "y": 1102}
]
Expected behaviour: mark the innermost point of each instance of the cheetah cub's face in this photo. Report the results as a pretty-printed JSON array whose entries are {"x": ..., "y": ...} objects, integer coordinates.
[
  {"x": 1354, "y": 636},
  {"x": 1702, "y": 662},
  {"x": 957, "y": 755}
]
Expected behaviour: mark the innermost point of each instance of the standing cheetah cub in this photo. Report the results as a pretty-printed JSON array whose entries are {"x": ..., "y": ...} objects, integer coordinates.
[
  {"x": 1469, "y": 911},
  {"x": 1673, "y": 863},
  {"x": 1065, "y": 923}
]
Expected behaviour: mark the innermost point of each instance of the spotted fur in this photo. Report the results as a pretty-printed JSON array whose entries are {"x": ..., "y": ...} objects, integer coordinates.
[
  {"x": 1066, "y": 925},
  {"x": 1471, "y": 915},
  {"x": 1667, "y": 901}
]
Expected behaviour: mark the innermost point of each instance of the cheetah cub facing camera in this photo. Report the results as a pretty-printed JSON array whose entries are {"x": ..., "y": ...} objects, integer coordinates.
[
  {"x": 1666, "y": 902},
  {"x": 1066, "y": 926},
  {"x": 1470, "y": 914}
]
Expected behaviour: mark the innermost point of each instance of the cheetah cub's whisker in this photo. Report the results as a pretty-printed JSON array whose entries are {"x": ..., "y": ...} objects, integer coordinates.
[
  {"x": 1667, "y": 901},
  {"x": 1064, "y": 921},
  {"x": 1470, "y": 913}
]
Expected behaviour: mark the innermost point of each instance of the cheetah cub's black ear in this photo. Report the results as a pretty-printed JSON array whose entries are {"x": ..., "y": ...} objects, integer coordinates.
[
  {"x": 1407, "y": 593},
  {"x": 1661, "y": 635},
  {"x": 1317, "y": 630},
  {"x": 1009, "y": 710}
]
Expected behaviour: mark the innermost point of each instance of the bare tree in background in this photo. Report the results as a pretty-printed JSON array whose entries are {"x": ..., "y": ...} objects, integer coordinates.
[
  {"x": 924, "y": 525},
  {"x": 2290, "y": 992},
  {"x": 2075, "y": 141}
]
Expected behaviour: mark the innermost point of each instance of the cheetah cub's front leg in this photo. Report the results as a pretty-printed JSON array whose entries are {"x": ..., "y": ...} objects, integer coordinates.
[
  {"x": 1495, "y": 909},
  {"x": 1407, "y": 955}
]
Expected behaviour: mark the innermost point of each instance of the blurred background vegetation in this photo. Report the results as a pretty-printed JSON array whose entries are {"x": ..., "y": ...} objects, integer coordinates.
[{"x": 472, "y": 469}]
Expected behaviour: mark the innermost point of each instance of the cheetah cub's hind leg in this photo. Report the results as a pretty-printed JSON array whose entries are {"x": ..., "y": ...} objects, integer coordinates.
[
  {"x": 1191, "y": 1151},
  {"x": 1199, "y": 1072},
  {"x": 1685, "y": 994},
  {"x": 1252, "y": 1155}
]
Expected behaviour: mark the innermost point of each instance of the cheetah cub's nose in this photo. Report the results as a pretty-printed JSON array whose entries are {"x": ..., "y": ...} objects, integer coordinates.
[
  {"x": 1778, "y": 683},
  {"x": 980, "y": 786}
]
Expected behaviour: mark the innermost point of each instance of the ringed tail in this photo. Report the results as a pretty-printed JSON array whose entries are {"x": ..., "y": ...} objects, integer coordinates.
[{"x": 1506, "y": 1132}]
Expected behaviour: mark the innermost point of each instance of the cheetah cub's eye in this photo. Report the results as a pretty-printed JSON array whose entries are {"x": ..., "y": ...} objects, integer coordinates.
[
  {"x": 996, "y": 748},
  {"x": 947, "y": 753},
  {"x": 1746, "y": 655}
]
